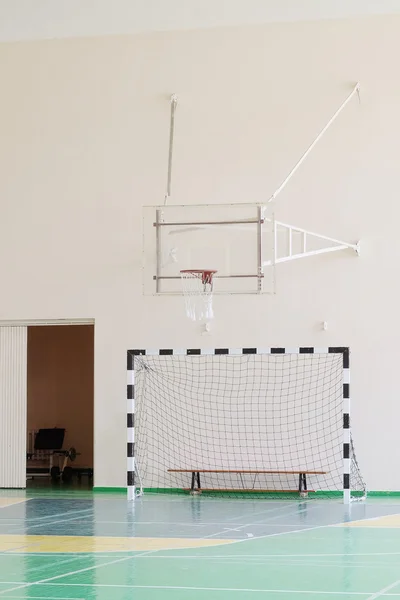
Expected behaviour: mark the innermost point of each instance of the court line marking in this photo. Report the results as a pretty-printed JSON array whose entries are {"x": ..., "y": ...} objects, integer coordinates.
[
  {"x": 130, "y": 557},
  {"x": 138, "y": 523},
  {"x": 215, "y": 589},
  {"x": 10, "y": 551},
  {"x": 62, "y": 514},
  {"x": 263, "y": 512},
  {"x": 51, "y": 555},
  {"x": 228, "y": 542},
  {"x": 333, "y": 525},
  {"x": 368, "y": 519},
  {"x": 292, "y": 512},
  {"x": 268, "y": 511},
  {"x": 185, "y": 499},
  {"x": 18, "y": 528},
  {"x": 268, "y": 535},
  {"x": 383, "y": 591},
  {"x": 50, "y": 579},
  {"x": 33, "y": 519},
  {"x": 22, "y": 501},
  {"x": 230, "y": 560},
  {"x": 105, "y": 555},
  {"x": 22, "y": 529},
  {"x": 31, "y": 570},
  {"x": 244, "y": 556}
]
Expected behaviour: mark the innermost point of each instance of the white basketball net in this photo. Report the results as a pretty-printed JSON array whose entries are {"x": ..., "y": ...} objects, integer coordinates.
[{"x": 197, "y": 287}]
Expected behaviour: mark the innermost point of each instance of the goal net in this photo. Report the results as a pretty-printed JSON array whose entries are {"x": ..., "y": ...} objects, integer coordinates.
[{"x": 275, "y": 415}]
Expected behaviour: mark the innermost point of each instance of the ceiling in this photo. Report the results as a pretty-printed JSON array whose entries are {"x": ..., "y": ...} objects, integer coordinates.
[{"x": 46, "y": 19}]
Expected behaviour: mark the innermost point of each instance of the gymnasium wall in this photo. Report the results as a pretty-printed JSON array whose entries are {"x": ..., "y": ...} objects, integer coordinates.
[{"x": 83, "y": 146}]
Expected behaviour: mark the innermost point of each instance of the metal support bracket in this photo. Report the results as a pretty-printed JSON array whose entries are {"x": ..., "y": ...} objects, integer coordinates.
[{"x": 291, "y": 230}]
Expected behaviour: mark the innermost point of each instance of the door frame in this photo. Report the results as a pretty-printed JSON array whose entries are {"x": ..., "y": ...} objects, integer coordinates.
[{"x": 43, "y": 323}]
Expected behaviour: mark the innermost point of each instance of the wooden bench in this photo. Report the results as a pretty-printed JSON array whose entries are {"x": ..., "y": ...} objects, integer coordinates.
[{"x": 302, "y": 473}]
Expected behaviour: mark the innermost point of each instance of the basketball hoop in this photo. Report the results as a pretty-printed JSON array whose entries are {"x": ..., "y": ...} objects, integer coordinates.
[{"x": 197, "y": 286}]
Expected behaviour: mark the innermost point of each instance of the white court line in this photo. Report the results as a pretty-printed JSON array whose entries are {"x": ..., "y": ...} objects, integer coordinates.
[
  {"x": 11, "y": 553},
  {"x": 260, "y": 537},
  {"x": 212, "y": 589},
  {"x": 187, "y": 499},
  {"x": 377, "y": 527},
  {"x": 309, "y": 564},
  {"x": 292, "y": 512},
  {"x": 62, "y": 514},
  {"x": 383, "y": 591},
  {"x": 33, "y": 519},
  {"x": 204, "y": 589},
  {"x": 22, "y": 501},
  {"x": 255, "y": 556},
  {"x": 22, "y": 529},
  {"x": 31, "y": 570},
  {"x": 296, "y": 511},
  {"x": 198, "y": 524},
  {"x": 268, "y": 535},
  {"x": 131, "y": 556},
  {"x": 5, "y": 553},
  {"x": 49, "y": 579},
  {"x": 371, "y": 519},
  {"x": 267, "y": 511}
]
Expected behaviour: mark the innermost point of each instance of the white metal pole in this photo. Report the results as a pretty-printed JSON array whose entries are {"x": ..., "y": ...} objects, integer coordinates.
[
  {"x": 319, "y": 136},
  {"x": 174, "y": 102},
  {"x": 275, "y": 256}
]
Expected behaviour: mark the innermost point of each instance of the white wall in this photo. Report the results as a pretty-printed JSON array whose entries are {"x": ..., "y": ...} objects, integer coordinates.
[
  {"x": 83, "y": 140},
  {"x": 45, "y": 19}
]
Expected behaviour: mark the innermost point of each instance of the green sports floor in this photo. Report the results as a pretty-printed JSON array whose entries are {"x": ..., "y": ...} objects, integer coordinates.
[{"x": 80, "y": 545}]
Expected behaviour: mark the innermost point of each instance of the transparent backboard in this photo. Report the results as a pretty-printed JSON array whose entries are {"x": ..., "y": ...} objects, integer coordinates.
[{"x": 236, "y": 240}]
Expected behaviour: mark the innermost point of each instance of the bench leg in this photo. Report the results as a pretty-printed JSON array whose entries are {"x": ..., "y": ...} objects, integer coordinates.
[
  {"x": 195, "y": 479},
  {"x": 303, "y": 484}
]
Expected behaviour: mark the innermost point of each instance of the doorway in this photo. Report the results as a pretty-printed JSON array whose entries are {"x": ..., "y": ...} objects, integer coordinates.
[{"x": 60, "y": 395}]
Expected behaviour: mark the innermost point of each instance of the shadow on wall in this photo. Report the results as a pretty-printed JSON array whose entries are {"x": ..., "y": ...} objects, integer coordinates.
[{"x": 61, "y": 384}]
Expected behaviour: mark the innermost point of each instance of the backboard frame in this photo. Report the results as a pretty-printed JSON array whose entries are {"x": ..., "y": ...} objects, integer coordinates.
[{"x": 258, "y": 220}]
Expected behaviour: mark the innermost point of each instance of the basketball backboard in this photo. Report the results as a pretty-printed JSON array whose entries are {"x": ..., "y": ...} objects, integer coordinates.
[{"x": 236, "y": 240}]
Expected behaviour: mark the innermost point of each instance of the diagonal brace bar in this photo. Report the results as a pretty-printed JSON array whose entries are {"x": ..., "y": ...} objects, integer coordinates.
[{"x": 356, "y": 90}]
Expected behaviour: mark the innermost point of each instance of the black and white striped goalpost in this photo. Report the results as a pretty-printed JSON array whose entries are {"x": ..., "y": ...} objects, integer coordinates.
[
  {"x": 131, "y": 426},
  {"x": 346, "y": 424},
  {"x": 131, "y": 466}
]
